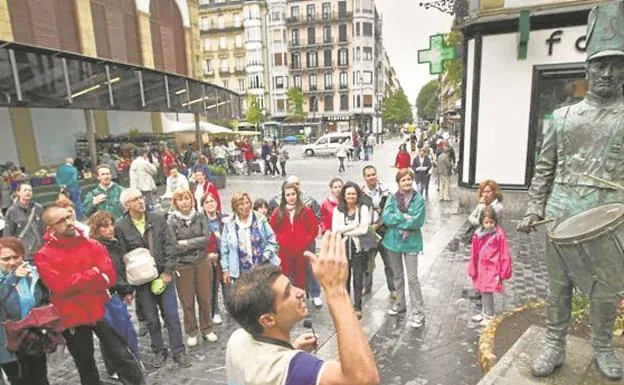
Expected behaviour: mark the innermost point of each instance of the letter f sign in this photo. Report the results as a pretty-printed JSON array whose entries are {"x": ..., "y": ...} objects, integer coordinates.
[{"x": 554, "y": 38}]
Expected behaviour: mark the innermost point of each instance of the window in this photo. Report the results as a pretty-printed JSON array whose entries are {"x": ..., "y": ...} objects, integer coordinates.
[
  {"x": 294, "y": 36},
  {"x": 343, "y": 57},
  {"x": 312, "y": 82},
  {"x": 327, "y": 58},
  {"x": 342, "y": 32},
  {"x": 279, "y": 82},
  {"x": 275, "y": 16},
  {"x": 206, "y": 44},
  {"x": 327, "y": 34},
  {"x": 240, "y": 64},
  {"x": 277, "y": 36},
  {"x": 367, "y": 29},
  {"x": 344, "y": 80},
  {"x": 358, "y": 53},
  {"x": 367, "y": 6},
  {"x": 328, "y": 81},
  {"x": 310, "y": 11},
  {"x": 225, "y": 84},
  {"x": 221, "y": 22},
  {"x": 222, "y": 42},
  {"x": 224, "y": 65},
  {"x": 342, "y": 8},
  {"x": 297, "y": 81},
  {"x": 237, "y": 20},
  {"x": 313, "y": 103},
  {"x": 280, "y": 105},
  {"x": 356, "y": 101},
  {"x": 296, "y": 60},
  {"x": 367, "y": 77},
  {"x": 312, "y": 59},
  {"x": 368, "y": 53},
  {"x": 255, "y": 81},
  {"x": 239, "y": 41},
  {"x": 254, "y": 58},
  {"x": 357, "y": 29},
  {"x": 294, "y": 12},
  {"x": 328, "y": 102},
  {"x": 204, "y": 24},
  {"x": 253, "y": 33},
  {"x": 368, "y": 100},
  {"x": 241, "y": 85},
  {"x": 344, "y": 102},
  {"x": 207, "y": 66},
  {"x": 311, "y": 35},
  {"x": 277, "y": 59},
  {"x": 326, "y": 11}
]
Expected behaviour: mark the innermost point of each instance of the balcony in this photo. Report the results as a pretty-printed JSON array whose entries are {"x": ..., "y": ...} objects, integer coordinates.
[
  {"x": 206, "y": 4},
  {"x": 224, "y": 71},
  {"x": 343, "y": 41},
  {"x": 319, "y": 18},
  {"x": 343, "y": 64},
  {"x": 215, "y": 27},
  {"x": 209, "y": 72}
]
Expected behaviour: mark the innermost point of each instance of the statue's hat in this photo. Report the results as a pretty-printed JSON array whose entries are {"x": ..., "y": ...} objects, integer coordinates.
[{"x": 605, "y": 30}]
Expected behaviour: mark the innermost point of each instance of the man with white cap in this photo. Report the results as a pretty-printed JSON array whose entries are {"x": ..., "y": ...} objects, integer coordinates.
[{"x": 586, "y": 138}]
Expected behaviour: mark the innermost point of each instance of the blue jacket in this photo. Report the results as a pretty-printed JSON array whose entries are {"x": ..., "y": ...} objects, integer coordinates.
[
  {"x": 67, "y": 175},
  {"x": 396, "y": 223},
  {"x": 229, "y": 244},
  {"x": 10, "y": 308}
]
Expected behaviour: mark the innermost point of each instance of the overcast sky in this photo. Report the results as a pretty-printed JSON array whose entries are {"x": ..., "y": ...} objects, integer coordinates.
[{"x": 406, "y": 29}]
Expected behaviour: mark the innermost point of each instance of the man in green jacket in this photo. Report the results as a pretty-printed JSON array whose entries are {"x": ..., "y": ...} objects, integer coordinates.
[{"x": 105, "y": 197}]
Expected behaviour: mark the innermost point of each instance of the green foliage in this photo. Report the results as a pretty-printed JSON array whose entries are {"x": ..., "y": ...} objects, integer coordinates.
[
  {"x": 295, "y": 104},
  {"x": 580, "y": 307},
  {"x": 254, "y": 112},
  {"x": 217, "y": 169},
  {"x": 426, "y": 102},
  {"x": 432, "y": 129},
  {"x": 454, "y": 69},
  {"x": 396, "y": 109}
]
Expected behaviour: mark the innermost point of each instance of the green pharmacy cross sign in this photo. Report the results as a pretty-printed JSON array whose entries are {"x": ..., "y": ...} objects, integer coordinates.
[{"x": 437, "y": 54}]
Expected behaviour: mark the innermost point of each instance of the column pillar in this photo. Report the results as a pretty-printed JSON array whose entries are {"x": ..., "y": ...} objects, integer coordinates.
[
  {"x": 90, "y": 123},
  {"x": 24, "y": 138},
  {"x": 145, "y": 35},
  {"x": 157, "y": 125},
  {"x": 6, "y": 32},
  {"x": 85, "y": 28},
  {"x": 102, "y": 129},
  {"x": 198, "y": 134}
]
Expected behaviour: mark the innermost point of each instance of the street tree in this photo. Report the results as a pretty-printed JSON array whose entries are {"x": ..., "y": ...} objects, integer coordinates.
[
  {"x": 454, "y": 69},
  {"x": 427, "y": 100},
  {"x": 396, "y": 109},
  {"x": 254, "y": 112},
  {"x": 295, "y": 105}
]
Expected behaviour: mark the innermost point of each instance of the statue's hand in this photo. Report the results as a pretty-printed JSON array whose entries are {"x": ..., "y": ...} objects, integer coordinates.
[{"x": 528, "y": 222}]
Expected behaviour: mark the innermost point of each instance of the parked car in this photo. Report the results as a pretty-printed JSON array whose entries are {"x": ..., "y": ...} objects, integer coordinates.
[{"x": 327, "y": 144}]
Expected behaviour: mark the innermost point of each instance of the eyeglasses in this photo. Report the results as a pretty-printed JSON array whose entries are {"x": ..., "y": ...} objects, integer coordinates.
[{"x": 67, "y": 218}]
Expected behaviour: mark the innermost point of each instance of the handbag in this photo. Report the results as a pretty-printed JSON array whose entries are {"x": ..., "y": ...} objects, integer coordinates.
[
  {"x": 37, "y": 333},
  {"x": 140, "y": 266}
]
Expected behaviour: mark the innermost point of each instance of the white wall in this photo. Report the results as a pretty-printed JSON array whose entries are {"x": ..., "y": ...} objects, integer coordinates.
[
  {"x": 55, "y": 133},
  {"x": 144, "y": 6},
  {"x": 122, "y": 122},
  {"x": 532, "y": 3},
  {"x": 8, "y": 148},
  {"x": 468, "y": 110},
  {"x": 505, "y": 99}
]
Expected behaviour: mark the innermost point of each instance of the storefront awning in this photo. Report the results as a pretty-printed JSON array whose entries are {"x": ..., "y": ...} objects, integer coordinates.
[{"x": 37, "y": 77}]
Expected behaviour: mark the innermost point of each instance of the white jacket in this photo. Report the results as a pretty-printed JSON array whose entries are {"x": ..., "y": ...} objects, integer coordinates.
[
  {"x": 142, "y": 174},
  {"x": 354, "y": 230}
]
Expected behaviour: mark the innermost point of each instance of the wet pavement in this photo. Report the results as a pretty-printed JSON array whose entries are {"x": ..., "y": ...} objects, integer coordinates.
[{"x": 443, "y": 352}]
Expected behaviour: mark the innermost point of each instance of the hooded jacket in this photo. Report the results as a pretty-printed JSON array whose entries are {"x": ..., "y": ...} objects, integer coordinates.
[{"x": 77, "y": 289}]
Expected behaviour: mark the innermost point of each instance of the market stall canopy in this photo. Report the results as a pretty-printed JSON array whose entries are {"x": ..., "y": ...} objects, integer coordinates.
[{"x": 172, "y": 126}]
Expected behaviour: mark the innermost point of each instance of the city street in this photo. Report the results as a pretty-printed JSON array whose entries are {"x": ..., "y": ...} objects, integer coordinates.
[{"x": 443, "y": 352}]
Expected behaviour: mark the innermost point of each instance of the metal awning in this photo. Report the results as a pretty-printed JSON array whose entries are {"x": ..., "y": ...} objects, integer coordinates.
[{"x": 37, "y": 77}]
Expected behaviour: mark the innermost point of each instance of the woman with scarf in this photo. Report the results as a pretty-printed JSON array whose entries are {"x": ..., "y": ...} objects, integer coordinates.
[
  {"x": 20, "y": 291},
  {"x": 352, "y": 218},
  {"x": 327, "y": 208},
  {"x": 194, "y": 275},
  {"x": 214, "y": 220},
  {"x": 403, "y": 216},
  {"x": 247, "y": 239},
  {"x": 295, "y": 228}
]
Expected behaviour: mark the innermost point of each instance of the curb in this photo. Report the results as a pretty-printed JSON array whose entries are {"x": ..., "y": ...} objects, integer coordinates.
[{"x": 487, "y": 341}]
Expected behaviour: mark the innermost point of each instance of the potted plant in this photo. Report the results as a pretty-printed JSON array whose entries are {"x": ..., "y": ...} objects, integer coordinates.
[{"x": 218, "y": 175}]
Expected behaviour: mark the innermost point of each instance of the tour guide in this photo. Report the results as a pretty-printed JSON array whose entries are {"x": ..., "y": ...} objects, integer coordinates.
[
  {"x": 586, "y": 138},
  {"x": 267, "y": 306}
]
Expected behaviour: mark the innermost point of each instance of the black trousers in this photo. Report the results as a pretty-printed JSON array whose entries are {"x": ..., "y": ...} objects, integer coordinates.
[
  {"x": 283, "y": 166},
  {"x": 28, "y": 370},
  {"x": 357, "y": 267},
  {"x": 80, "y": 344}
]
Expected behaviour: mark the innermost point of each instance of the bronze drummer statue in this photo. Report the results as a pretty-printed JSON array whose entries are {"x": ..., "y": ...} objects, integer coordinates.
[{"x": 586, "y": 139}]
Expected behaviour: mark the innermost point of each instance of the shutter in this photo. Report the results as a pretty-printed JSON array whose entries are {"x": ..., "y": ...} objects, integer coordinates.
[
  {"x": 180, "y": 47},
  {"x": 19, "y": 11},
  {"x": 116, "y": 34},
  {"x": 168, "y": 48},
  {"x": 43, "y": 18},
  {"x": 133, "y": 44},
  {"x": 67, "y": 26},
  {"x": 98, "y": 15},
  {"x": 156, "y": 45}
]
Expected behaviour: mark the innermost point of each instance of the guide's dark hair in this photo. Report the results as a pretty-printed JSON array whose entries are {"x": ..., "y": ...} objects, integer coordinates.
[{"x": 252, "y": 295}]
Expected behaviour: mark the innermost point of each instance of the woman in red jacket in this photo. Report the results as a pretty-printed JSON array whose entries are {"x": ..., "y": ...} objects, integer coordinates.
[
  {"x": 403, "y": 159},
  {"x": 295, "y": 227},
  {"x": 327, "y": 208}
]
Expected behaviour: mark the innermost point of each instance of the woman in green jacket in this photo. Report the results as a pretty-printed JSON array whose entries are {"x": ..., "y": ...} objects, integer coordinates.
[{"x": 403, "y": 216}]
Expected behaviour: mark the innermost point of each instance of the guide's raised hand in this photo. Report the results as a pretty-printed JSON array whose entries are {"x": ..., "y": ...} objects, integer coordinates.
[{"x": 331, "y": 267}]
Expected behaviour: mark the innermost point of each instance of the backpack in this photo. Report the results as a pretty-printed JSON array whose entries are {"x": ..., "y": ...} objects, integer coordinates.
[{"x": 140, "y": 266}]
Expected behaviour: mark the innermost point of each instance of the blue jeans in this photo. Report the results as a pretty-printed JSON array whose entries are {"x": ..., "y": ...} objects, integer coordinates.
[
  {"x": 314, "y": 290},
  {"x": 74, "y": 194},
  {"x": 167, "y": 302}
]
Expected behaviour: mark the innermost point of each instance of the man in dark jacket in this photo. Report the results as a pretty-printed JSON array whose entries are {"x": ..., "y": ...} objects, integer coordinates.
[
  {"x": 140, "y": 229},
  {"x": 23, "y": 220},
  {"x": 421, "y": 166}
]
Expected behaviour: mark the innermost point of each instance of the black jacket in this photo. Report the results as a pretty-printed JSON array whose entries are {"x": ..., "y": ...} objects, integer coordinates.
[
  {"x": 116, "y": 252},
  {"x": 158, "y": 238},
  {"x": 195, "y": 233}
]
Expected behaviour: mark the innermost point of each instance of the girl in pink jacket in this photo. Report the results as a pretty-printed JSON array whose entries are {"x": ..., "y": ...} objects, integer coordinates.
[{"x": 490, "y": 263}]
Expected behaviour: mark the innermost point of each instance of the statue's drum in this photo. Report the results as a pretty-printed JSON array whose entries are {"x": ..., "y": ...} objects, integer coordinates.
[{"x": 591, "y": 247}]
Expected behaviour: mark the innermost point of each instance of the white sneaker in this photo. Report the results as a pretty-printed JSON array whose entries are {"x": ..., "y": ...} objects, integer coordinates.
[
  {"x": 211, "y": 337},
  {"x": 191, "y": 341},
  {"x": 217, "y": 319},
  {"x": 486, "y": 320},
  {"x": 114, "y": 376},
  {"x": 317, "y": 301},
  {"x": 477, "y": 318},
  {"x": 418, "y": 322}
]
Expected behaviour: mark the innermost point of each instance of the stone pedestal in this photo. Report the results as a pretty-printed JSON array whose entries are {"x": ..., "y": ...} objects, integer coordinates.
[{"x": 514, "y": 367}]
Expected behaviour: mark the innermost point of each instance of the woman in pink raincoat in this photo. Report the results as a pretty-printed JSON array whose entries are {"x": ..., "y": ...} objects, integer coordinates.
[{"x": 490, "y": 263}]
